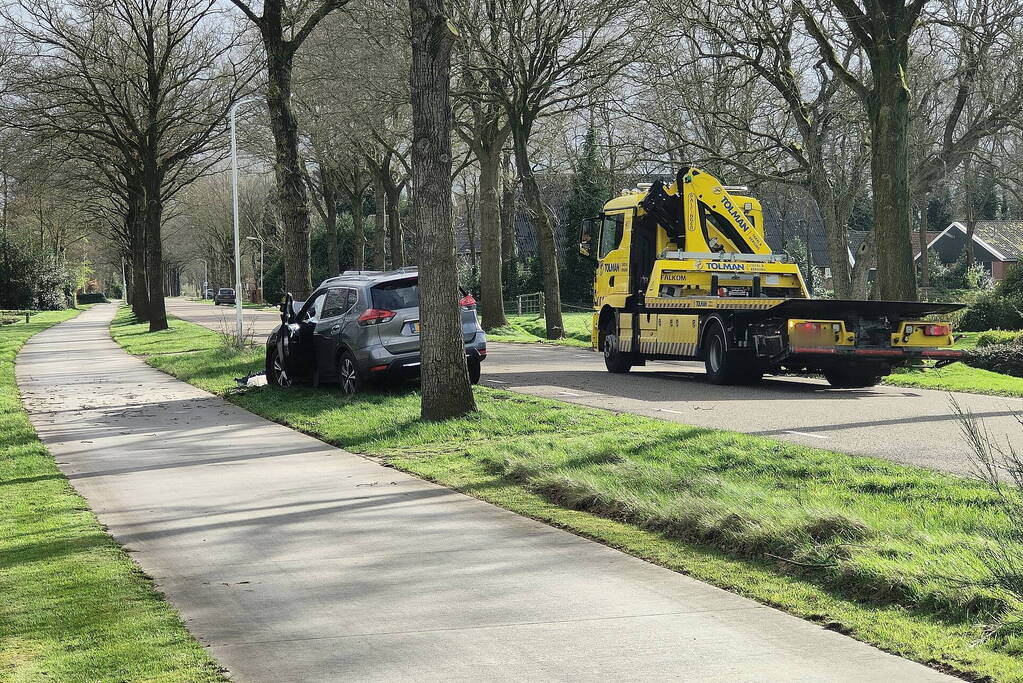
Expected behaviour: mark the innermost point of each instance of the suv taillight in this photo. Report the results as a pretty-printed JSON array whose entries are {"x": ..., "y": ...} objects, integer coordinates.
[
  {"x": 375, "y": 316},
  {"x": 467, "y": 302}
]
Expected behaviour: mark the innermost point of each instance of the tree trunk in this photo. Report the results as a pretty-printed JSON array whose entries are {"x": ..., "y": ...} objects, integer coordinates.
[
  {"x": 445, "y": 381},
  {"x": 154, "y": 246},
  {"x": 136, "y": 228},
  {"x": 889, "y": 165},
  {"x": 970, "y": 210},
  {"x": 379, "y": 223},
  {"x": 508, "y": 237},
  {"x": 359, "y": 235},
  {"x": 491, "y": 280},
  {"x": 924, "y": 263},
  {"x": 291, "y": 188},
  {"x": 836, "y": 231},
  {"x": 330, "y": 221},
  {"x": 393, "y": 193},
  {"x": 546, "y": 244},
  {"x": 865, "y": 256}
]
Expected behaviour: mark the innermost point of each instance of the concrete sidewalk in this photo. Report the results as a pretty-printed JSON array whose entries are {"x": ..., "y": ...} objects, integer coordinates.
[{"x": 295, "y": 561}]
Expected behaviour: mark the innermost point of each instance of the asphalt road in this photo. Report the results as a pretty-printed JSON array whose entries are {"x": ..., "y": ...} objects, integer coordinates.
[
  {"x": 292, "y": 560},
  {"x": 905, "y": 425}
]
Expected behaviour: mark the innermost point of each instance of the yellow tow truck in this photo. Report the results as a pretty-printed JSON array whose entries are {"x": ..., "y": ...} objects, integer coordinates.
[{"x": 684, "y": 273}]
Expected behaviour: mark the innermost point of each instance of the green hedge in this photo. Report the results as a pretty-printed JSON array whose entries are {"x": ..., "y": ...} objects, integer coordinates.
[
  {"x": 998, "y": 337},
  {"x": 992, "y": 311},
  {"x": 1006, "y": 359},
  {"x": 95, "y": 298}
]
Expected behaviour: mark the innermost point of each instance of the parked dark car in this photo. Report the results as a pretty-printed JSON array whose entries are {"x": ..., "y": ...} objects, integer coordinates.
[
  {"x": 208, "y": 294},
  {"x": 225, "y": 295},
  {"x": 358, "y": 327}
]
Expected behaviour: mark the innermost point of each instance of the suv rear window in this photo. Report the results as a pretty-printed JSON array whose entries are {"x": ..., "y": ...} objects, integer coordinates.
[
  {"x": 396, "y": 294},
  {"x": 227, "y": 291}
]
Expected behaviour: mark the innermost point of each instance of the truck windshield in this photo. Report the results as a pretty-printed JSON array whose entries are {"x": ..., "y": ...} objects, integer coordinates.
[{"x": 397, "y": 294}]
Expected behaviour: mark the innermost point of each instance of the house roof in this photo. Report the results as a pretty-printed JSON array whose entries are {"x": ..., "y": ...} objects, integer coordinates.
[{"x": 1002, "y": 239}]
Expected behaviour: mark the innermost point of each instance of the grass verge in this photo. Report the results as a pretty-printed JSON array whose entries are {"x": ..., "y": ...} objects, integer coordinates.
[
  {"x": 958, "y": 377},
  {"x": 531, "y": 329},
  {"x": 884, "y": 552},
  {"x": 73, "y": 606}
]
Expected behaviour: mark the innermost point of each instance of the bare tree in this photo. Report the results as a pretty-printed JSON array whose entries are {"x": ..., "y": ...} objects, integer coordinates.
[
  {"x": 138, "y": 88},
  {"x": 540, "y": 57},
  {"x": 763, "y": 103},
  {"x": 283, "y": 28},
  {"x": 445, "y": 381}
]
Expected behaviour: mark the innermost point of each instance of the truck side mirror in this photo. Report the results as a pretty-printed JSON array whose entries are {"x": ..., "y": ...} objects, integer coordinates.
[{"x": 586, "y": 236}]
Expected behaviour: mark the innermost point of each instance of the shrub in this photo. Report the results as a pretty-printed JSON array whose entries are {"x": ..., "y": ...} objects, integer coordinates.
[
  {"x": 997, "y": 337},
  {"x": 1012, "y": 283},
  {"x": 94, "y": 298},
  {"x": 992, "y": 311},
  {"x": 1006, "y": 359}
]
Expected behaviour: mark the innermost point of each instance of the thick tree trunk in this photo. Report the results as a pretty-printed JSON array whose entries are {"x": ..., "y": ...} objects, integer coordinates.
[
  {"x": 546, "y": 244},
  {"x": 393, "y": 193},
  {"x": 508, "y": 237},
  {"x": 445, "y": 381},
  {"x": 291, "y": 188},
  {"x": 491, "y": 280},
  {"x": 889, "y": 166},
  {"x": 379, "y": 224}
]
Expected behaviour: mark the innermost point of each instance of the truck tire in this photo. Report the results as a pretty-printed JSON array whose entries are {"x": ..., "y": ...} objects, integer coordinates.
[
  {"x": 853, "y": 376},
  {"x": 727, "y": 367},
  {"x": 615, "y": 360}
]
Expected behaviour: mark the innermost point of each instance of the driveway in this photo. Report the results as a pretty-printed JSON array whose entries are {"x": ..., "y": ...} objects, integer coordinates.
[
  {"x": 914, "y": 426},
  {"x": 295, "y": 561}
]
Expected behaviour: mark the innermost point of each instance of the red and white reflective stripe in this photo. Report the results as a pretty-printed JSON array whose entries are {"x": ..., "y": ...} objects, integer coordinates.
[{"x": 934, "y": 353}]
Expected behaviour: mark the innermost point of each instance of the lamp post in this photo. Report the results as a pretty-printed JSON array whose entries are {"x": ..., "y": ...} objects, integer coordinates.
[
  {"x": 205, "y": 277},
  {"x": 237, "y": 246},
  {"x": 260, "y": 240}
]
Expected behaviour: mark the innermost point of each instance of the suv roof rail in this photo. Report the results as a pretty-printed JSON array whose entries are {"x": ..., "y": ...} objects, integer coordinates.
[
  {"x": 407, "y": 269},
  {"x": 361, "y": 272}
]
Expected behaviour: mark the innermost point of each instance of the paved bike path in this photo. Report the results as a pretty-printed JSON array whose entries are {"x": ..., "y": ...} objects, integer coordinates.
[{"x": 296, "y": 561}]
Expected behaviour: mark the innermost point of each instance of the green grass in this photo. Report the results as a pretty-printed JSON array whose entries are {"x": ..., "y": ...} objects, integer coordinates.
[
  {"x": 958, "y": 377},
  {"x": 73, "y": 606},
  {"x": 884, "y": 552},
  {"x": 529, "y": 329}
]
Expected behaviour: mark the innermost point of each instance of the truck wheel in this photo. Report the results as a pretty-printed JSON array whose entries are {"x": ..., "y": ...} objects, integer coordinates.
[
  {"x": 727, "y": 367},
  {"x": 615, "y": 360},
  {"x": 853, "y": 376}
]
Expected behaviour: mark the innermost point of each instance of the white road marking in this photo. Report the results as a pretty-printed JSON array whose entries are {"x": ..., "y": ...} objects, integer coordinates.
[
  {"x": 495, "y": 381},
  {"x": 813, "y": 436},
  {"x": 669, "y": 410},
  {"x": 568, "y": 393}
]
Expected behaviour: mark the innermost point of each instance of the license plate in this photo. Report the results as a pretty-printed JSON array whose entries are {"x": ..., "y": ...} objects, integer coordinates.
[{"x": 414, "y": 327}]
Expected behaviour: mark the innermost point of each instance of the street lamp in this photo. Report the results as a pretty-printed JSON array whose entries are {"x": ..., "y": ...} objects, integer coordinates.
[
  {"x": 260, "y": 240},
  {"x": 237, "y": 246},
  {"x": 205, "y": 277}
]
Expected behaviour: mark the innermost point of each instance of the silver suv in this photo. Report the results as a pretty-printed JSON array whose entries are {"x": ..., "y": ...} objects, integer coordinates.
[{"x": 358, "y": 327}]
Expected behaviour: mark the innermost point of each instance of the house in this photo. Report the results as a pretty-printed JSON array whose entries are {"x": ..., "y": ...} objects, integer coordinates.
[{"x": 997, "y": 245}]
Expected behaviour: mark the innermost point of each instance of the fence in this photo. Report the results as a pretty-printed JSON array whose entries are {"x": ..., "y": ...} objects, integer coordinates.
[{"x": 527, "y": 304}]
